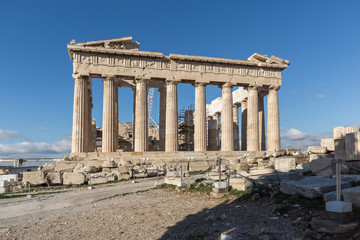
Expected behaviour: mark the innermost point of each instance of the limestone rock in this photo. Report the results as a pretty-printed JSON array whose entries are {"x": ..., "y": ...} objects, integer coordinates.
[
  {"x": 199, "y": 166},
  {"x": 240, "y": 167},
  {"x": 240, "y": 184},
  {"x": 9, "y": 177},
  {"x": 54, "y": 178},
  {"x": 110, "y": 163},
  {"x": 340, "y": 132},
  {"x": 4, "y": 171},
  {"x": 285, "y": 164},
  {"x": 48, "y": 167},
  {"x": 328, "y": 143},
  {"x": 317, "y": 149},
  {"x": 34, "y": 178},
  {"x": 70, "y": 178},
  {"x": 352, "y": 146},
  {"x": 65, "y": 166},
  {"x": 311, "y": 187},
  {"x": 123, "y": 169},
  {"x": 215, "y": 176},
  {"x": 97, "y": 180},
  {"x": 314, "y": 156},
  {"x": 352, "y": 195},
  {"x": 318, "y": 164},
  {"x": 123, "y": 177},
  {"x": 340, "y": 151}
]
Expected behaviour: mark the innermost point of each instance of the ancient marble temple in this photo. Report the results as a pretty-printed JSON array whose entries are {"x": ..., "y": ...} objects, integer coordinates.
[{"x": 120, "y": 63}]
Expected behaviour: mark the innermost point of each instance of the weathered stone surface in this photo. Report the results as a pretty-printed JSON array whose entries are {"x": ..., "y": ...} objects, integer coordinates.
[
  {"x": 353, "y": 178},
  {"x": 199, "y": 166},
  {"x": 317, "y": 149},
  {"x": 325, "y": 225},
  {"x": 70, "y": 178},
  {"x": 48, "y": 167},
  {"x": 4, "y": 171},
  {"x": 340, "y": 151},
  {"x": 311, "y": 187},
  {"x": 304, "y": 167},
  {"x": 338, "y": 207},
  {"x": 285, "y": 164},
  {"x": 54, "y": 178},
  {"x": 259, "y": 171},
  {"x": 352, "y": 146},
  {"x": 315, "y": 156},
  {"x": 123, "y": 169},
  {"x": 318, "y": 164},
  {"x": 34, "y": 178},
  {"x": 97, "y": 180},
  {"x": 109, "y": 164},
  {"x": 123, "y": 177},
  {"x": 293, "y": 151},
  {"x": 87, "y": 167},
  {"x": 352, "y": 195},
  {"x": 240, "y": 184},
  {"x": 215, "y": 176},
  {"x": 340, "y": 132},
  {"x": 4, "y": 190},
  {"x": 65, "y": 166},
  {"x": 328, "y": 143},
  {"x": 239, "y": 167},
  {"x": 330, "y": 196}
]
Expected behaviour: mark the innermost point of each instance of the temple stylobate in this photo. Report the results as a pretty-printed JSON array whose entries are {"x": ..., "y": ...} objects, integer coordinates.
[{"x": 119, "y": 63}]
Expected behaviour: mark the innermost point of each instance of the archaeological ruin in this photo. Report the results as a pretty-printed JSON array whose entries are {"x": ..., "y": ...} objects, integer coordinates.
[{"x": 120, "y": 63}]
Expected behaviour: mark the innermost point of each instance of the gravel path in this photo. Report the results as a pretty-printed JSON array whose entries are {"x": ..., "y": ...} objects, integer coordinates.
[{"x": 123, "y": 212}]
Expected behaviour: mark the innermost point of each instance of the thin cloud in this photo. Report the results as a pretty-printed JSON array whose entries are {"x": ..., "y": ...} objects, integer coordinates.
[
  {"x": 8, "y": 134},
  {"x": 320, "y": 95},
  {"x": 28, "y": 148},
  {"x": 294, "y": 138}
]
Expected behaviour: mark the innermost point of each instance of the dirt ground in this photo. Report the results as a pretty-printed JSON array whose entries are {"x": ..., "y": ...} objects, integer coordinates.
[{"x": 159, "y": 214}]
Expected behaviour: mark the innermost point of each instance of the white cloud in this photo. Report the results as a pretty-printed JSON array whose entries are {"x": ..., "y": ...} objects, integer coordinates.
[
  {"x": 8, "y": 134},
  {"x": 28, "y": 148},
  {"x": 294, "y": 138}
]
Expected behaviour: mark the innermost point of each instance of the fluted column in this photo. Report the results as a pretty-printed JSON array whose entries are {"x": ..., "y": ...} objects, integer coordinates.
[
  {"x": 261, "y": 121},
  {"x": 200, "y": 118},
  {"x": 108, "y": 141},
  {"x": 88, "y": 102},
  {"x": 80, "y": 111},
  {"x": 141, "y": 116},
  {"x": 227, "y": 132},
  {"x": 133, "y": 116},
  {"x": 116, "y": 126},
  {"x": 162, "y": 118},
  {"x": 171, "y": 131},
  {"x": 236, "y": 126},
  {"x": 273, "y": 121},
  {"x": 253, "y": 120},
  {"x": 244, "y": 125}
]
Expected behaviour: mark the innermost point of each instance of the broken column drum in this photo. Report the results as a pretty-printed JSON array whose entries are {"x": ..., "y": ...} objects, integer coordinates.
[{"x": 119, "y": 63}]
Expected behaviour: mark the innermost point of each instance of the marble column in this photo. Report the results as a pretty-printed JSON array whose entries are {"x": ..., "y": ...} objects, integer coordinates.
[
  {"x": 227, "y": 132},
  {"x": 273, "y": 121},
  {"x": 261, "y": 121},
  {"x": 216, "y": 117},
  {"x": 162, "y": 118},
  {"x": 141, "y": 116},
  {"x": 133, "y": 117},
  {"x": 253, "y": 120},
  {"x": 213, "y": 134},
  {"x": 244, "y": 125},
  {"x": 79, "y": 114},
  {"x": 108, "y": 142},
  {"x": 200, "y": 118},
  {"x": 236, "y": 126},
  {"x": 171, "y": 122},
  {"x": 116, "y": 126},
  {"x": 88, "y": 101}
]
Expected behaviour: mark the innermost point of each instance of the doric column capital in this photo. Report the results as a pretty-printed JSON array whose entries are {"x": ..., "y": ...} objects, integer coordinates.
[
  {"x": 78, "y": 76},
  {"x": 252, "y": 87},
  {"x": 199, "y": 84},
  {"x": 227, "y": 85},
  {"x": 273, "y": 87},
  {"x": 171, "y": 82},
  {"x": 108, "y": 78}
]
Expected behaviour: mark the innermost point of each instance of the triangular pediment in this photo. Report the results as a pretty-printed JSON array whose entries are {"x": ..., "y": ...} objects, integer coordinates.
[
  {"x": 125, "y": 43},
  {"x": 256, "y": 57}
]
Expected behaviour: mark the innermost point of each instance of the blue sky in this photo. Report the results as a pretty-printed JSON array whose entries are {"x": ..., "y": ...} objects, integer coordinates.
[{"x": 320, "y": 38}]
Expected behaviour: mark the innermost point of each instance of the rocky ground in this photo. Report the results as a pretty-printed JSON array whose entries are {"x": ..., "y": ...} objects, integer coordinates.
[{"x": 165, "y": 214}]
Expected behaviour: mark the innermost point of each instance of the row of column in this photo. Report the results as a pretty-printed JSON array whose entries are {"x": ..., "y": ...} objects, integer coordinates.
[{"x": 252, "y": 119}]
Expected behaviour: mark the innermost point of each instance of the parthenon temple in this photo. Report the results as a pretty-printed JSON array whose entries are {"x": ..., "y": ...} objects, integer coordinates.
[{"x": 120, "y": 63}]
